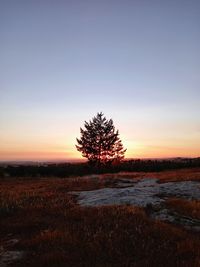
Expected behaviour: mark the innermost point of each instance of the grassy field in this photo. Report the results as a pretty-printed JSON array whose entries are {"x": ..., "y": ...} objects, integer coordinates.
[{"x": 53, "y": 230}]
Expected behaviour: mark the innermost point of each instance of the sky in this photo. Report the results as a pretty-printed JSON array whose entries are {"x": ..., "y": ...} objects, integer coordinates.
[{"x": 137, "y": 61}]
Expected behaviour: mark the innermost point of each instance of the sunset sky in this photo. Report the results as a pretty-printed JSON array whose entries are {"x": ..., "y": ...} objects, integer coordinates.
[{"x": 61, "y": 62}]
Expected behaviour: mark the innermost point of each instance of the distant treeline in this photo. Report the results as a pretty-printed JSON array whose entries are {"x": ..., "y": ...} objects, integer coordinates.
[{"x": 79, "y": 169}]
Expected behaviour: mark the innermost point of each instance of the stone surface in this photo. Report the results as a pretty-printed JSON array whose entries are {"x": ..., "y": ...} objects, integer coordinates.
[
  {"x": 146, "y": 193},
  {"x": 140, "y": 193},
  {"x": 7, "y": 254}
]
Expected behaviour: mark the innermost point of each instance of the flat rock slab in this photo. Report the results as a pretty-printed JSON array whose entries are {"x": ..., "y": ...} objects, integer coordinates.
[
  {"x": 140, "y": 193},
  {"x": 143, "y": 193}
]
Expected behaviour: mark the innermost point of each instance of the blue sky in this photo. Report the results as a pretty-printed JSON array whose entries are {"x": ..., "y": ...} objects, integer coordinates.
[{"x": 63, "y": 61}]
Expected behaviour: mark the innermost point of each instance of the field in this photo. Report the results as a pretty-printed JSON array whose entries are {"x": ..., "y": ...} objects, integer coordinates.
[{"x": 43, "y": 223}]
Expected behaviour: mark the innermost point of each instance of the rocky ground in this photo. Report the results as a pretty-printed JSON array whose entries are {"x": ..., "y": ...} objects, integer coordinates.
[
  {"x": 147, "y": 193},
  {"x": 122, "y": 219}
]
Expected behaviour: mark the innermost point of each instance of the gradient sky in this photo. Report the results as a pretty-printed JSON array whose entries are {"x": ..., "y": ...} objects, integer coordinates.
[{"x": 61, "y": 62}]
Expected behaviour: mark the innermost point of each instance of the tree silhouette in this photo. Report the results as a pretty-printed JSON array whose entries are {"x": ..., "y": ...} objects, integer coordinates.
[{"x": 99, "y": 142}]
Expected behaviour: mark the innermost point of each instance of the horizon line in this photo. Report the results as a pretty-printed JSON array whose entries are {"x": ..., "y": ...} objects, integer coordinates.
[{"x": 85, "y": 160}]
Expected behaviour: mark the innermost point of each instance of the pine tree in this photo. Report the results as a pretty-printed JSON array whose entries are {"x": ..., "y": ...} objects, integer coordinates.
[{"x": 99, "y": 142}]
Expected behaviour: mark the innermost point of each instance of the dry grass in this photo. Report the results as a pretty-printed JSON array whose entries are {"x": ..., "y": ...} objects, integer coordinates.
[
  {"x": 177, "y": 175},
  {"x": 190, "y": 208},
  {"x": 192, "y": 174},
  {"x": 55, "y": 231}
]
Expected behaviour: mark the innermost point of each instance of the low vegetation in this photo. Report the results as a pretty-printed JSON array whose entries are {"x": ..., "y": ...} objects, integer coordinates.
[
  {"x": 80, "y": 169},
  {"x": 53, "y": 230},
  {"x": 190, "y": 208}
]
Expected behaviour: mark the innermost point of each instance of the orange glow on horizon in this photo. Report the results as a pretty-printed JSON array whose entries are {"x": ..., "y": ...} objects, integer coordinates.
[
  {"x": 135, "y": 151},
  {"x": 44, "y": 149}
]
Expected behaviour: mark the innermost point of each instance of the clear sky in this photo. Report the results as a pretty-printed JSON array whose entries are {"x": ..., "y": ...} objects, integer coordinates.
[{"x": 61, "y": 62}]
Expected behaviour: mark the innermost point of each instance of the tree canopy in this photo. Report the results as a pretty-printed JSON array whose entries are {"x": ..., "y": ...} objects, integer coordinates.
[{"x": 99, "y": 142}]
